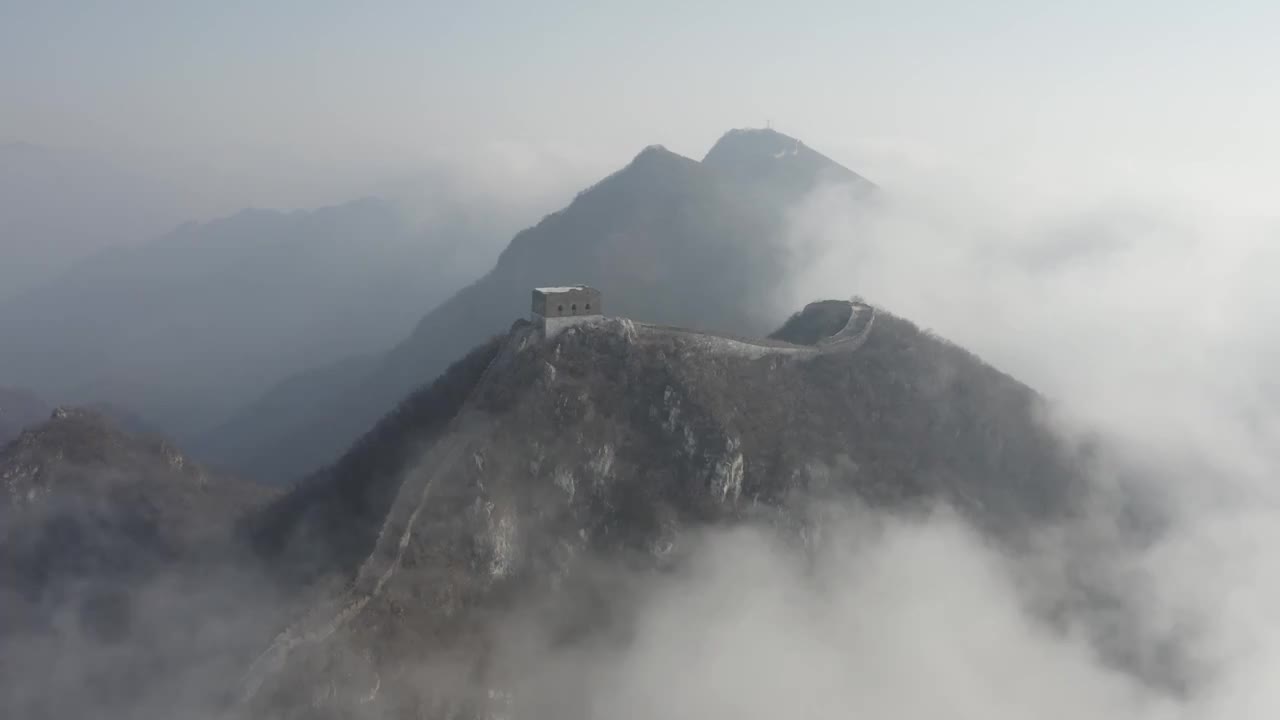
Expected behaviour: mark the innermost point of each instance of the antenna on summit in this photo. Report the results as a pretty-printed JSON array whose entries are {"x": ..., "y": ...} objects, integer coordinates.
[{"x": 768, "y": 124}]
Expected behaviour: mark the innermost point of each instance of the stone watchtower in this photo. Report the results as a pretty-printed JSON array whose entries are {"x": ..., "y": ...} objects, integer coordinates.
[{"x": 556, "y": 308}]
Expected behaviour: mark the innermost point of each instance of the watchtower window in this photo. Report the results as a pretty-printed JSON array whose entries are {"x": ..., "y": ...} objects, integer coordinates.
[
  {"x": 588, "y": 306},
  {"x": 574, "y": 307},
  {"x": 559, "y": 308}
]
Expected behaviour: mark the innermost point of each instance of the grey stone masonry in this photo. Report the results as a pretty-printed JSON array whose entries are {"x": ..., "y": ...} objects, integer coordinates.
[
  {"x": 555, "y": 308},
  {"x": 566, "y": 301}
]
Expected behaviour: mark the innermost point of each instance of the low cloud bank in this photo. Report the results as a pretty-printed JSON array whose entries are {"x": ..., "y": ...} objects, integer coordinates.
[{"x": 1149, "y": 324}]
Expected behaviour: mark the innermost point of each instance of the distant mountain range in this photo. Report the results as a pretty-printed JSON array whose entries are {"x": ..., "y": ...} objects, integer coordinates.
[
  {"x": 59, "y": 205},
  {"x": 189, "y": 327},
  {"x": 667, "y": 239}
]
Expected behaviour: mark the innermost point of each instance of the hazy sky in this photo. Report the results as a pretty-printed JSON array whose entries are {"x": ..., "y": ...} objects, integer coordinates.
[{"x": 1178, "y": 96}]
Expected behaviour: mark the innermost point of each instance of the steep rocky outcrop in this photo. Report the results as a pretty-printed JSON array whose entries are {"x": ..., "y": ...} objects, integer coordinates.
[{"x": 603, "y": 448}]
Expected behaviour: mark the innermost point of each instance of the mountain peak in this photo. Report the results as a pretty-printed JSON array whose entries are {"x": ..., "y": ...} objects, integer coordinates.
[
  {"x": 756, "y": 140},
  {"x": 764, "y": 155},
  {"x": 658, "y": 155},
  {"x": 655, "y": 164},
  {"x": 73, "y": 413},
  {"x": 656, "y": 148}
]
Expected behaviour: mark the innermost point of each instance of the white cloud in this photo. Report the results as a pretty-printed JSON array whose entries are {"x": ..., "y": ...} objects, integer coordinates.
[{"x": 1150, "y": 323}]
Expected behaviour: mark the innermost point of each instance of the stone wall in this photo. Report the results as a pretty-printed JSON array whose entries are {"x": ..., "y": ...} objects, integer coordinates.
[{"x": 557, "y": 308}]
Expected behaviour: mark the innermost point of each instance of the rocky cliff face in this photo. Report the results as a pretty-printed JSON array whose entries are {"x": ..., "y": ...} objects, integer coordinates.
[{"x": 605, "y": 447}]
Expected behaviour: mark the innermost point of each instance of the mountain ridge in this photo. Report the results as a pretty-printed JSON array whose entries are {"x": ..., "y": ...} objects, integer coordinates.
[{"x": 610, "y": 442}]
